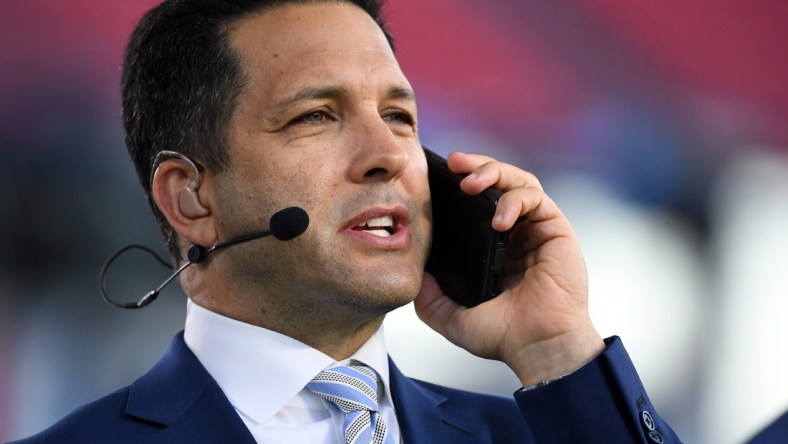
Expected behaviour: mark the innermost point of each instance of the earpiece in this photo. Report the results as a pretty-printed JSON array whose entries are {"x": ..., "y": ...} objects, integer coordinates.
[
  {"x": 188, "y": 199},
  {"x": 190, "y": 205},
  {"x": 194, "y": 185}
]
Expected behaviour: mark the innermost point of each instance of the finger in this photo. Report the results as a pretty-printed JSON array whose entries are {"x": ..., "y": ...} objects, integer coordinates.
[
  {"x": 498, "y": 175},
  {"x": 531, "y": 203},
  {"x": 463, "y": 163}
]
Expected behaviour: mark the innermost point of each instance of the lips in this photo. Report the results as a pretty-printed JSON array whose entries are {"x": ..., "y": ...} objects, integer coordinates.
[{"x": 384, "y": 228}]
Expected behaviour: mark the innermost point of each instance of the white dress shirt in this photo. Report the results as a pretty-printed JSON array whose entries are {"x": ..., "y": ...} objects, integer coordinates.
[{"x": 264, "y": 374}]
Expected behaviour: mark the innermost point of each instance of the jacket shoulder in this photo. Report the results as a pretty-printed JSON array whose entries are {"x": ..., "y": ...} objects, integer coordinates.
[
  {"x": 501, "y": 416},
  {"x": 174, "y": 395},
  {"x": 472, "y": 400},
  {"x": 100, "y": 421}
]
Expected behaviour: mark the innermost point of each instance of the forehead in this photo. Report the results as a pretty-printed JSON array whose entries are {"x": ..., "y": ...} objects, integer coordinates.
[{"x": 285, "y": 40}]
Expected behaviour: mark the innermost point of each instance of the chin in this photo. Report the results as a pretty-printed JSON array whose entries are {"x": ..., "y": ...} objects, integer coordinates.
[
  {"x": 381, "y": 294},
  {"x": 373, "y": 284}
]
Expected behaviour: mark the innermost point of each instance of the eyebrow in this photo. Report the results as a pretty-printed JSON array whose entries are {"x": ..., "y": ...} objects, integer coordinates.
[
  {"x": 398, "y": 92},
  {"x": 394, "y": 92},
  {"x": 311, "y": 94}
]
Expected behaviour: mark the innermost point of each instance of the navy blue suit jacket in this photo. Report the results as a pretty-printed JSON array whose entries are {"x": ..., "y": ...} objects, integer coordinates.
[
  {"x": 178, "y": 402},
  {"x": 776, "y": 432}
]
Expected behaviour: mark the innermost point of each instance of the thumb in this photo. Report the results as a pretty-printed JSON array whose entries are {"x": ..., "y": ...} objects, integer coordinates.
[{"x": 436, "y": 309}]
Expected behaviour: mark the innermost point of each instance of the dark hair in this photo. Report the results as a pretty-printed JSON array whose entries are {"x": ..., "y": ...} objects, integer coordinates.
[{"x": 181, "y": 80}]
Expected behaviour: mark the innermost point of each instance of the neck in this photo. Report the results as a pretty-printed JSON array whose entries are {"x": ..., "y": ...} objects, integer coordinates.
[
  {"x": 336, "y": 332},
  {"x": 333, "y": 323},
  {"x": 337, "y": 337}
]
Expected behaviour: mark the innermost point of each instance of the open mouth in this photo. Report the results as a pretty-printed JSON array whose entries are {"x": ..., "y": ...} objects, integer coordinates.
[{"x": 379, "y": 226}]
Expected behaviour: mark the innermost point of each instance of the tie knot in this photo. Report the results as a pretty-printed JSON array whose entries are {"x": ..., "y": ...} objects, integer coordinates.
[{"x": 351, "y": 388}]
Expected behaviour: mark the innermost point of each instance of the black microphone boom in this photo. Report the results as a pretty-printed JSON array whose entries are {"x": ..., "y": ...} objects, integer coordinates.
[{"x": 285, "y": 225}]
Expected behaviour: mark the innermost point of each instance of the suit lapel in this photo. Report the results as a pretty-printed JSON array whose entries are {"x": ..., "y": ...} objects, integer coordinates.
[
  {"x": 425, "y": 418},
  {"x": 209, "y": 420},
  {"x": 181, "y": 396}
]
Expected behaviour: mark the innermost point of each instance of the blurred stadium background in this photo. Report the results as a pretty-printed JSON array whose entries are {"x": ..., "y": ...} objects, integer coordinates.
[{"x": 661, "y": 128}]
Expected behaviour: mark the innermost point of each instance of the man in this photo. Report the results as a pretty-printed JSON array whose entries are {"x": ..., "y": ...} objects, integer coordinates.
[{"x": 237, "y": 109}]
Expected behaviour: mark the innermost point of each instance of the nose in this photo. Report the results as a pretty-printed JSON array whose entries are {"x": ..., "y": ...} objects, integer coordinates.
[{"x": 379, "y": 154}]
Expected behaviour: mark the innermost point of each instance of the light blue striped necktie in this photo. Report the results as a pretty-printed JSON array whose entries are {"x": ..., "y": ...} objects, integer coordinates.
[{"x": 353, "y": 389}]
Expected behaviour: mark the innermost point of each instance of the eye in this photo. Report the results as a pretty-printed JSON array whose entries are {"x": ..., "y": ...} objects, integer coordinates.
[
  {"x": 398, "y": 117},
  {"x": 311, "y": 118}
]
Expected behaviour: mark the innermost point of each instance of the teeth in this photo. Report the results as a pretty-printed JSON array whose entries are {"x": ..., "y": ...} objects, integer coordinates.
[
  {"x": 384, "y": 221},
  {"x": 378, "y": 226}
]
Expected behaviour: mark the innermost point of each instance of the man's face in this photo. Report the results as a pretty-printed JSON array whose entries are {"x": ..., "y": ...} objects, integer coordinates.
[{"x": 326, "y": 122}]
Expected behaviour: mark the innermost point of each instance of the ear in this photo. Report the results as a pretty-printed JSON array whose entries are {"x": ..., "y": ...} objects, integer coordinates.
[{"x": 177, "y": 194}]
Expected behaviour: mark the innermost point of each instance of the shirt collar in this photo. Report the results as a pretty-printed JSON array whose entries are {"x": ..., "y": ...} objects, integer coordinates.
[{"x": 260, "y": 370}]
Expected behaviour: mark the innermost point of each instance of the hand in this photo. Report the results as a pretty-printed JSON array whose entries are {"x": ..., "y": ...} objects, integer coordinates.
[{"x": 539, "y": 325}]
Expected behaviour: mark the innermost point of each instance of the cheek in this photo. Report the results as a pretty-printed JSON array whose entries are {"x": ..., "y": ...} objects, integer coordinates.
[
  {"x": 310, "y": 185},
  {"x": 242, "y": 207},
  {"x": 312, "y": 179},
  {"x": 294, "y": 174},
  {"x": 418, "y": 174}
]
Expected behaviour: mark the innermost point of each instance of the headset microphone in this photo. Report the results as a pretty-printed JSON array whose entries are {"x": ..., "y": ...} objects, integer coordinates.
[{"x": 285, "y": 225}]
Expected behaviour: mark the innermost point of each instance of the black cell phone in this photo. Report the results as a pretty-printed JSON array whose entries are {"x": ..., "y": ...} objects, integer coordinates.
[{"x": 467, "y": 255}]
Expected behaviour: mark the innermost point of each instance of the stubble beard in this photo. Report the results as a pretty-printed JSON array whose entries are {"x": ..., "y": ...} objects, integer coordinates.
[{"x": 306, "y": 282}]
